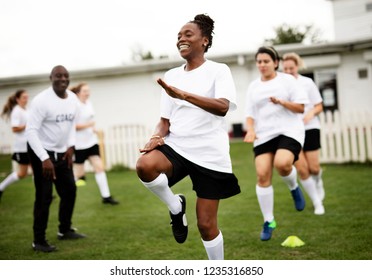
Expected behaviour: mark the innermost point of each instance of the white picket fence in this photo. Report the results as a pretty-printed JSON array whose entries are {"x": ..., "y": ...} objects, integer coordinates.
[
  {"x": 122, "y": 143},
  {"x": 344, "y": 138}
]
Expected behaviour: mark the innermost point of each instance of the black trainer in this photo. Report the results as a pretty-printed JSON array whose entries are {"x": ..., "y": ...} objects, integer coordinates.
[
  {"x": 71, "y": 234},
  {"x": 109, "y": 200},
  {"x": 179, "y": 222},
  {"x": 43, "y": 247},
  {"x": 1, "y": 193}
]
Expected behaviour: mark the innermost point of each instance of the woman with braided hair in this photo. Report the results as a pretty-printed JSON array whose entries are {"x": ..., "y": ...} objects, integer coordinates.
[{"x": 190, "y": 138}]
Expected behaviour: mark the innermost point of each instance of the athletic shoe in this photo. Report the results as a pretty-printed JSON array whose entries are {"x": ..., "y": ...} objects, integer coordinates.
[
  {"x": 179, "y": 222},
  {"x": 109, "y": 200},
  {"x": 80, "y": 183},
  {"x": 43, "y": 247},
  {"x": 267, "y": 230},
  {"x": 71, "y": 234},
  {"x": 298, "y": 198},
  {"x": 319, "y": 209},
  {"x": 1, "y": 193}
]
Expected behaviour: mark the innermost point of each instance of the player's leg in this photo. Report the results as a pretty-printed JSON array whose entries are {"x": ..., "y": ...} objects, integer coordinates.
[{"x": 206, "y": 213}]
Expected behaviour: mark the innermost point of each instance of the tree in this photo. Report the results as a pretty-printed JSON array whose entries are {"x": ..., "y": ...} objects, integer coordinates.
[
  {"x": 139, "y": 54},
  {"x": 286, "y": 34}
]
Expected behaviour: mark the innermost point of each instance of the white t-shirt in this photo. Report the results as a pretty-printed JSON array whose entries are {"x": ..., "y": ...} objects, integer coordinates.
[
  {"x": 197, "y": 135},
  {"x": 18, "y": 117},
  {"x": 51, "y": 122},
  {"x": 314, "y": 98},
  {"x": 272, "y": 120},
  {"x": 85, "y": 138}
]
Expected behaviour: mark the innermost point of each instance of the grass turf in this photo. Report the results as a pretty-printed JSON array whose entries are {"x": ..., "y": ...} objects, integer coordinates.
[{"x": 138, "y": 228}]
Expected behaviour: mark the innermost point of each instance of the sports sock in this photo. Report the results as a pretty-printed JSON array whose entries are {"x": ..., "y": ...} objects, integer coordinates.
[
  {"x": 102, "y": 183},
  {"x": 214, "y": 248},
  {"x": 318, "y": 176},
  {"x": 310, "y": 188},
  {"x": 265, "y": 198},
  {"x": 12, "y": 177},
  {"x": 291, "y": 179},
  {"x": 159, "y": 187}
]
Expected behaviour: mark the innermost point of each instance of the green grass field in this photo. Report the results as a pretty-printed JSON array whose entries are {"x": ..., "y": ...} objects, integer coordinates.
[{"x": 138, "y": 228}]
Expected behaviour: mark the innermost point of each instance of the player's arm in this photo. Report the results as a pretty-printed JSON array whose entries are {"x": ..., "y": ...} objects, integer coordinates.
[
  {"x": 216, "y": 106},
  {"x": 294, "y": 107}
]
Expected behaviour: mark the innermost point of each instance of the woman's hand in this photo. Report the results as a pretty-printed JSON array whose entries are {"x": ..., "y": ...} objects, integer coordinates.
[
  {"x": 172, "y": 91},
  {"x": 250, "y": 136},
  {"x": 154, "y": 142}
]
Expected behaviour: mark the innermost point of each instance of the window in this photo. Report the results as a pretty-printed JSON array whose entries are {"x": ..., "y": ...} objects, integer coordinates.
[
  {"x": 362, "y": 73},
  {"x": 369, "y": 7},
  {"x": 326, "y": 81}
]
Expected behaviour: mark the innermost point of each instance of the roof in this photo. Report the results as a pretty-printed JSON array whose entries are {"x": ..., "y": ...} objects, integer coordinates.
[{"x": 166, "y": 63}]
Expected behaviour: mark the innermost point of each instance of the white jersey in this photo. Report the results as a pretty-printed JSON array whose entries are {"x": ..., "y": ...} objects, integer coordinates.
[
  {"x": 272, "y": 120},
  {"x": 314, "y": 98},
  {"x": 18, "y": 117},
  {"x": 51, "y": 122},
  {"x": 197, "y": 135},
  {"x": 85, "y": 138}
]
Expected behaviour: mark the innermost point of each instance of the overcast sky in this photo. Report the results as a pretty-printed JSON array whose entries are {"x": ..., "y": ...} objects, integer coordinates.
[{"x": 35, "y": 35}]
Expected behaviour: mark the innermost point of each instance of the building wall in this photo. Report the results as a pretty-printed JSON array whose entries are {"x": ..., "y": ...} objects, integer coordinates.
[
  {"x": 133, "y": 97},
  {"x": 352, "y": 18},
  {"x": 355, "y": 93}
]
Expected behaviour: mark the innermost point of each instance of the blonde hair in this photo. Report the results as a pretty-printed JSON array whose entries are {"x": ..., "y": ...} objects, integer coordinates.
[{"x": 295, "y": 58}]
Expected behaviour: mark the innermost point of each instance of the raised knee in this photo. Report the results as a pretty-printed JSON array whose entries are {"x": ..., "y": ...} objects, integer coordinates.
[
  {"x": 141, "y": 166},
  {"x": 146, "y": 169},
  {"x": 283, "y": 169}
]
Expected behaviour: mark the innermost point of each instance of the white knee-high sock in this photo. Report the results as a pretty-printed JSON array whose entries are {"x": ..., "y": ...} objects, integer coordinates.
[
  {"x": 291, "y": 179},
  {"x": 214, "y": 248},
  {"x": 12, "y": 177},
  {"x": 310, "y": 188},
  {"x": 159, "y": 186},
  {"x": 265, "y": 198},
  {"x": 318, "y": 176},
  {"x": 102, "y": 183}
]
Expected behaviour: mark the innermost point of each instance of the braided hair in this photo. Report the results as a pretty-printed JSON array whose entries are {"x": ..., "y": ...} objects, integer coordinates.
[{"x": 206, "y": 25}]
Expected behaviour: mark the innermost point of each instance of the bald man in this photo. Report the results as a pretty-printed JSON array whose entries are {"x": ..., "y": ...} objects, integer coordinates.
[{"x": 50, "y": 134}]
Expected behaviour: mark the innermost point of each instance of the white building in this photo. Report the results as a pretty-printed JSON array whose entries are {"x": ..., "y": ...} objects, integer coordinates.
[
  {"x": 130, "y": 95},
  {"x": 352, "y": 19}
]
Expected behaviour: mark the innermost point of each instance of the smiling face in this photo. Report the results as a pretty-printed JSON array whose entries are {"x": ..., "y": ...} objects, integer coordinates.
[
  {"x": 266, "y": 65},
  {"x": 191, "y": 43},
  {"x": 60, "y": 79}
]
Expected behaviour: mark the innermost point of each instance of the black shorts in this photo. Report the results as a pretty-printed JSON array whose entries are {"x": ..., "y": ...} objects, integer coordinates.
[
  {"x": 82, "y": 155},
  {"x": 207, "y": 183},
  {"x": 312, "y": 140},
  {"x": 21, "y": 158},
  {"x": 280, "y": 142}
]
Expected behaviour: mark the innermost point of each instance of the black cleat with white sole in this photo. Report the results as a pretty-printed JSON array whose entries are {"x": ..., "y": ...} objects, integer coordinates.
[{"x": 179, "y": 222}]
